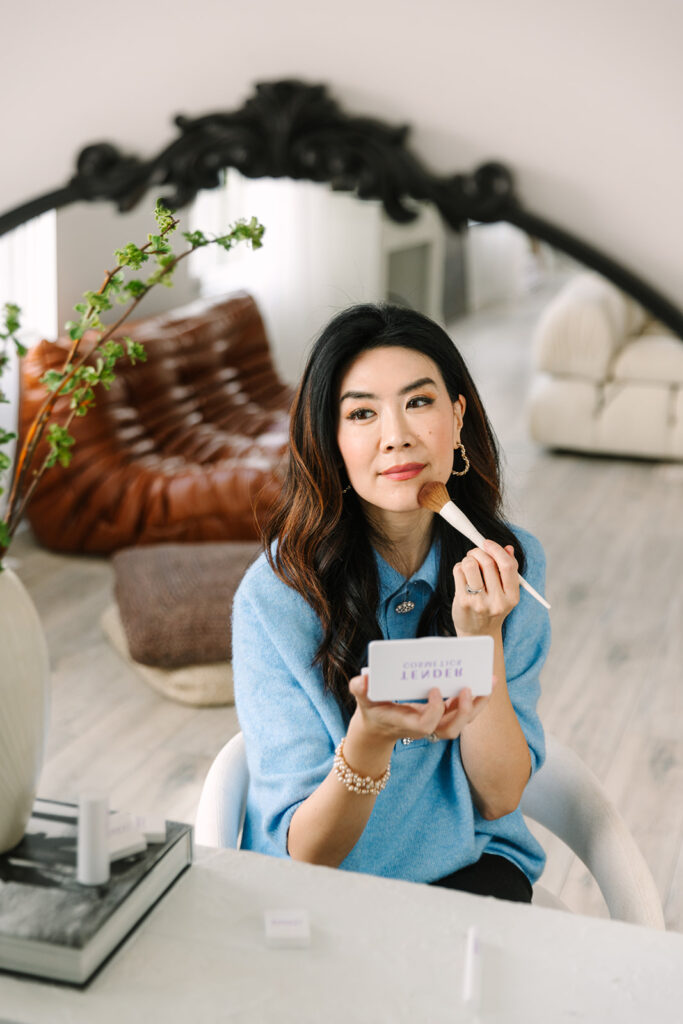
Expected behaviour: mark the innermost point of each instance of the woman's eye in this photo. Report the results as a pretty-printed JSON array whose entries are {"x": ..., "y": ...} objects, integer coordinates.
[
  {"x": 419, "y": 400},
  {"x": 360, "y": 414}
]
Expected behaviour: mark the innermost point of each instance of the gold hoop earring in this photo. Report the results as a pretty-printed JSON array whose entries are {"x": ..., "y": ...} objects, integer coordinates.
[
  {"x": 461, "y": 472},
  {"x": 346, "y": 489}
]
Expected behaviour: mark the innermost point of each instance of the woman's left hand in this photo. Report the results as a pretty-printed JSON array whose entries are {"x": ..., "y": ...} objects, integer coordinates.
[
  {"x": 492, "y": 572},
  {"x": 459, "y": 711}
]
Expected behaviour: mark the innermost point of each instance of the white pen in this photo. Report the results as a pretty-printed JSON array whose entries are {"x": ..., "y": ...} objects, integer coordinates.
[{"x": 471, "y": 982}]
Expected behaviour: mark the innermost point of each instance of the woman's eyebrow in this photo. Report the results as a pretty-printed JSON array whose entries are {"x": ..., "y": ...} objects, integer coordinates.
[{"x": 404, "y": 391}]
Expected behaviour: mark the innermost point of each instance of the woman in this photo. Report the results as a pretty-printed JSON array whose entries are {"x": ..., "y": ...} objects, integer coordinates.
[{"x": 386, "y": 404}]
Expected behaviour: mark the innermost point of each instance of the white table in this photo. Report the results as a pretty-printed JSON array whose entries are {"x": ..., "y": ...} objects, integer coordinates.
[{"x": 381, "y": 951}]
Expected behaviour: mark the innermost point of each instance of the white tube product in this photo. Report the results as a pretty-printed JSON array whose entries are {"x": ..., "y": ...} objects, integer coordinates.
[
  {"x": 92, "y": 864},
  {"x": 472, "y": 971}
]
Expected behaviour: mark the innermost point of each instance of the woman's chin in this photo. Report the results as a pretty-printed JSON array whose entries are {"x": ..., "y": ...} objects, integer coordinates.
[{"x": 400, "y": 504}]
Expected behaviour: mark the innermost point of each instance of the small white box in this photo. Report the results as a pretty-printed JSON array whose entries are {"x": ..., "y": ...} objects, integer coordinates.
[
  {"x": 152, "y": 826},
  {"x": 124, "y": 843},
  {"x": 408, "y": 669},
  {"x": 287, "y": 928}
]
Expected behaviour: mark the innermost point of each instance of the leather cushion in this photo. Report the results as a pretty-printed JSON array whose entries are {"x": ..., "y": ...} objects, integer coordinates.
[{"x": 187, "y": 446}]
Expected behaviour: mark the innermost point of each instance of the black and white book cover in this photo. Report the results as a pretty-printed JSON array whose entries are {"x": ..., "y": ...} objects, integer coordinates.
[{"x": 51, "y": 925}]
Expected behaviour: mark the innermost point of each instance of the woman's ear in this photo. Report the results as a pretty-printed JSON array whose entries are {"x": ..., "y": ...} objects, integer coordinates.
[{"x": 458, "y": 416}]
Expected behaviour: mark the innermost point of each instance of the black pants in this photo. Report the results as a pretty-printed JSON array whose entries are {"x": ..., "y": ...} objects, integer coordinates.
[{"x": 490, "y": 876}]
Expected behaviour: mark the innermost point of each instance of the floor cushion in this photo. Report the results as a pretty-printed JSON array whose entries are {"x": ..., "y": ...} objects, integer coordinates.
[
  {"x": 171, "y": 619},
  {"x": 175, "y": 600},
  {"x": 196, "y": 685}
]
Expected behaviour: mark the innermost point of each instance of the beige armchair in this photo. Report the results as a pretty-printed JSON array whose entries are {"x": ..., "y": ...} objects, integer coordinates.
[{"x": 607, "y": 377}]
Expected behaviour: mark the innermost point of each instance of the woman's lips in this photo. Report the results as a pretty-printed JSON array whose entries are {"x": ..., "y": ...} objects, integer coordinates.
[{"x": 405, "y": 472}]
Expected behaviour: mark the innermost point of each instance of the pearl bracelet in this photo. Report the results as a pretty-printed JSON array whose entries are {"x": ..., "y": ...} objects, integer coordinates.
[{"x": 354, "y": 782}]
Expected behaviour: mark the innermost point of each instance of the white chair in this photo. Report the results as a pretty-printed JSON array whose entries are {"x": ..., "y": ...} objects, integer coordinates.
[
  {"x": 223, "y": 800},
  {"x": 564, "y": 796}
]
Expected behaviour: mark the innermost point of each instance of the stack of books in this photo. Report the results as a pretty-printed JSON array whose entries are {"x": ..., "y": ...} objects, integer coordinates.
[{"x": 53, "y": 927}]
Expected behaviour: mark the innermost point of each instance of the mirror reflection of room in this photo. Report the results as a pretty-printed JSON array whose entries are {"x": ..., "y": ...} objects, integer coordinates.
[
  {"x": 507, "y": 299},
  {"x": 123, "y": 565}
]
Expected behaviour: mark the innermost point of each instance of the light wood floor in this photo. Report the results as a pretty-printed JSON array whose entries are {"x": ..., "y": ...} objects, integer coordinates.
[{"x": 611, "y": 687}]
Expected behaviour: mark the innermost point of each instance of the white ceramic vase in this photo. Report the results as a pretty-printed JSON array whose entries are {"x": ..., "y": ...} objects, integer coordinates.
[{"x": 24, "y": 706}]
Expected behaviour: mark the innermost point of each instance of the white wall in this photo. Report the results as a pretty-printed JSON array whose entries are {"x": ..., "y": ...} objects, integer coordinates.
[
  {"x": 87, "y": 235},
  {"x": 322, "y": 251},
  {"x": 584, "y": 98}
]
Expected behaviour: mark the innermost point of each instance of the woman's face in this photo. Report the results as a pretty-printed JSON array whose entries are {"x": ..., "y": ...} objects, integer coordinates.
[{"x": 397, "y": 426}]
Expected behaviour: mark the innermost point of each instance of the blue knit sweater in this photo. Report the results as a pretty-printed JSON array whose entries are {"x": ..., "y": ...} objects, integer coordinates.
[{"x": 424, "y": 825}]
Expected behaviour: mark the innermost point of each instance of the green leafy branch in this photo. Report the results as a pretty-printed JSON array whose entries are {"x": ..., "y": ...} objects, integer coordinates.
[
  {"x": 95, "y": 351},
  {"x": 9, "y": 336}
]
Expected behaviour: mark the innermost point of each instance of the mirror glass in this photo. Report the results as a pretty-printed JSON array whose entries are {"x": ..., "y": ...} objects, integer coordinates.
[{"x": 325, "y": 250}]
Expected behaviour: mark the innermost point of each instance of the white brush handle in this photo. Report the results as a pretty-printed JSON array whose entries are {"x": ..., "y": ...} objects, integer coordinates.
[{"x": 452, "y": 514}]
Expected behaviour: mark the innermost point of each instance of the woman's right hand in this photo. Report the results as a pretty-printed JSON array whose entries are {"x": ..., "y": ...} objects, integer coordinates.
[
  {"x": 387, "y": 721},
  {"x": 377, "y": 725}
]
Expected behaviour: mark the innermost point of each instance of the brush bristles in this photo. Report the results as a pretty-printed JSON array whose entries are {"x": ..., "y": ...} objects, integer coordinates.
[{"x": 433, "y": 495}]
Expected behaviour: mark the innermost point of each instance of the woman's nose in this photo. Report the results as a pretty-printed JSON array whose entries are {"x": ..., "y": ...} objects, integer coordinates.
[{"x": 395, "y": 433}]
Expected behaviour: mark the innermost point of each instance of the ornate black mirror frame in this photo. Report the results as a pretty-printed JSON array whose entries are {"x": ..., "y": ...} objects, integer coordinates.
[{"x": 295, "y": 130}]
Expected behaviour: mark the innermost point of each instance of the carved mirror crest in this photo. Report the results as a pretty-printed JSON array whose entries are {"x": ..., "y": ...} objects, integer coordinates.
[{"x": 291, "y": 129}]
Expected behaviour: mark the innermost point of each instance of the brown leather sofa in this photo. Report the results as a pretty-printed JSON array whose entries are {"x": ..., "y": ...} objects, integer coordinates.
[{"x": 187, "y": 446}]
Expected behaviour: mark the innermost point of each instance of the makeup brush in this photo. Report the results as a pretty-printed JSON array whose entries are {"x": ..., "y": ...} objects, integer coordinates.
[{"x": 435, "y": 497}]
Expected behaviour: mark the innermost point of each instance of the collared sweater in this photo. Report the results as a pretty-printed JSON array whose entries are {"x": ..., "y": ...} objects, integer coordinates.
[{"x": 424, "y": 825}]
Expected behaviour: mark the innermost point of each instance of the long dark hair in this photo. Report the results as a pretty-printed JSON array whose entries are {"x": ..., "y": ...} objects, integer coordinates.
[{"x": 323, "y": 547}]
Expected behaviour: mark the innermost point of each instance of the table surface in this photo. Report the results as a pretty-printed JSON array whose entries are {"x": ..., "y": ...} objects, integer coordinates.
[{"x": 380, "y": 951}]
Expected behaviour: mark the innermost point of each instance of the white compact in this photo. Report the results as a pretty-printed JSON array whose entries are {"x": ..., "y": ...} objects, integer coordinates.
[{"x": 408, "y": 669}]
